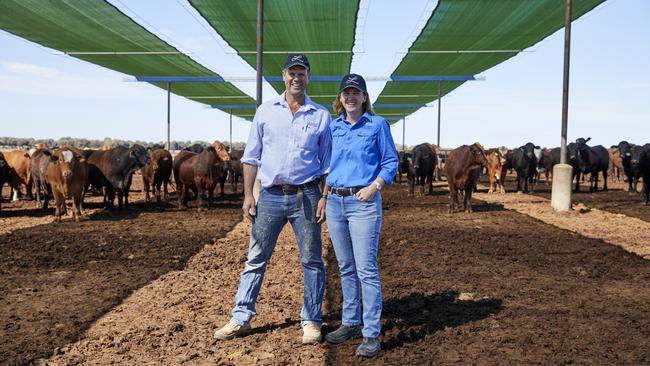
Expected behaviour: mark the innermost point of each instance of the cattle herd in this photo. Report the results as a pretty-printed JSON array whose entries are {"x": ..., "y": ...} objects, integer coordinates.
[
  {"x": 68, "y": 173},
  {"x": 463, "y": 167}
]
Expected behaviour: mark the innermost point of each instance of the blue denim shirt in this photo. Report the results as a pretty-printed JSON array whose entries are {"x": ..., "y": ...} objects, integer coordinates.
[
  {"x": 289, "y": 148},
  {"x": 361, "y": 152}
]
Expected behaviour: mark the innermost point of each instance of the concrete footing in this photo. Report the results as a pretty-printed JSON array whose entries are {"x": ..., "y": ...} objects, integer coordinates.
[{"x": 561, "y": 191}]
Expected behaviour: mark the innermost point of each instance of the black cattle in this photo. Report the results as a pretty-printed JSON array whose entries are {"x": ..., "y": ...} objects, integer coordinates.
[
  {"x": 593, "y": 160},
  {"x": 196, "y": 148},
  {"x": 549, "y": 159},
  {"x": 40, "y": 159},
  {"x": 113, "y": 169},
  {"x": 635, "y": 169},
  {"x": 625, "y": 151},
  {"x": 403, "y": 167},
  {"x": 524, "y": 163},
  {"x": 641, "y": 160},
  {"x": 4, "y": 174},
  {"x": 422, "y": 168}
]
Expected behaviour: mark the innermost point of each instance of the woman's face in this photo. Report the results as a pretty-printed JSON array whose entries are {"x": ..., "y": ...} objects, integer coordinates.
[{"x": 352, "y": 100}]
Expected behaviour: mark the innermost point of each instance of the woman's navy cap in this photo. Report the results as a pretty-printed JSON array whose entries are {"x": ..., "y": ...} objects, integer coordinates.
[
  {"x": 353, "y": 81},
  {"x": 296, "y": 59}
]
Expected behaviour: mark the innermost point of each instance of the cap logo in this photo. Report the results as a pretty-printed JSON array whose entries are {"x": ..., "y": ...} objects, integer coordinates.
[
  {"x": 353, "y": 79},
  {"x": 296, "y": 58}
]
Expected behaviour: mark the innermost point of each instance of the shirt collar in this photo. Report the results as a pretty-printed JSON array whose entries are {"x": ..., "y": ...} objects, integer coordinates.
[
  {"x": 281, "y": 100},
  {"x": 366, "y": 116}
]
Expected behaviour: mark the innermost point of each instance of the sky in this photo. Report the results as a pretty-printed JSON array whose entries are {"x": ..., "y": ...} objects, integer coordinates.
[{"x": 45, "y": 94}]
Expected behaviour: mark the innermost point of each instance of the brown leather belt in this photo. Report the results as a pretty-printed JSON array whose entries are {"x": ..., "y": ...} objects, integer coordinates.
[{"x": 345, "y": 191}]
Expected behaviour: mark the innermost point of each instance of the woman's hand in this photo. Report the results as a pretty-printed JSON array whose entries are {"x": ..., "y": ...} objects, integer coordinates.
[{"x": 367, "y": 193}]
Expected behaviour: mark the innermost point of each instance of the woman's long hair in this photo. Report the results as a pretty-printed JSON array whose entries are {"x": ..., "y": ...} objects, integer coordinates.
[{"x": 366, "y": 107}]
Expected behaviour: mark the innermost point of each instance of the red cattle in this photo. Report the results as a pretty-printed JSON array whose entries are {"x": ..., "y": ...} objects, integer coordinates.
[
  {"x": 198, "y": 172},
  {"x": 157, "y": 173},
  {"x": 67, "y": 174},
  {"x": 496, "y": 158},
  {"x": 19, "y": 172},
  {"x": 463, "y": 168}
]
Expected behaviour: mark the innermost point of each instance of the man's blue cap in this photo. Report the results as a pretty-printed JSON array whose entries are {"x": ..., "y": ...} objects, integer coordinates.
[
  {"x": 353, "y": 81},
  {"x": 296, "y": 59}
]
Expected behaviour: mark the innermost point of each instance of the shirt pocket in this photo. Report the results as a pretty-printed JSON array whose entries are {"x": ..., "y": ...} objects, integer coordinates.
[
  {"x": 309, "y": 135},
  {"x": 366, "y": 140}
]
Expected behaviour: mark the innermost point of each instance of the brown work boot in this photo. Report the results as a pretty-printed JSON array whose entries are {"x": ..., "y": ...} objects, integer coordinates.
[
  {"x": 231, "y": 330},
  {"x": 311, "y": 333}
]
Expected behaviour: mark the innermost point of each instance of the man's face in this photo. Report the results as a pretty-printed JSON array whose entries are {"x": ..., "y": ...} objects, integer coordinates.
[{"x": 296, "y": 79}]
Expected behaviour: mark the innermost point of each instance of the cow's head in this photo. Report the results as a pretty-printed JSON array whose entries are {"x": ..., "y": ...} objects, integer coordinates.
[
  {"x": 625, "y": 149},
  {"x": 221, "y": 150},
  {"x": 636, "y": 155},
  {"x": 529, "y": 150},
  {"x": 573, "y": 154},
  {"x": 139, "y": 155},
  {"x": 478, "y": 152},
  {"x": 582, "y": 142}
]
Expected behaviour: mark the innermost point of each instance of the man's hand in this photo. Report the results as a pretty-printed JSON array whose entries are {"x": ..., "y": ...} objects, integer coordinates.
[
  {"x": 249, "y": 208},
  {"x": 320, "y": 210},
  {"x": 367, "y": 193}
]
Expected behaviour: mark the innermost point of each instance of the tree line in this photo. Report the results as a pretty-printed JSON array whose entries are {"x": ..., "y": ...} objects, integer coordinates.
[{"x": 82, "y": 143}]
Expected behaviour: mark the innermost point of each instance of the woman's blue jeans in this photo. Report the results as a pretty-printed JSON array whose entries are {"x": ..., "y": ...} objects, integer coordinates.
[
  {"x": 274, "y": 209},
  {"x": 354, "y": 228}
]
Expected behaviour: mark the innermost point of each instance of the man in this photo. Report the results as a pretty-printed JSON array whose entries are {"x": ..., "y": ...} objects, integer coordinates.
[{"x": 289, "y": 143}]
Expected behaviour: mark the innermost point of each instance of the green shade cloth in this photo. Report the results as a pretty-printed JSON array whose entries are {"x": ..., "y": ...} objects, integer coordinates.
[
  {"x": 474, "y": 25},
  {"x": 97, "y": 26},
  {"x": 323, "y": 30}
]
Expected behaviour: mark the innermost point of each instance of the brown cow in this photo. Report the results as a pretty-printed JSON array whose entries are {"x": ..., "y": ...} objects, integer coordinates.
[
  {"x": 19, "y": 172},
  {"x": 615, "y": 163},
  {"x": 40, "y": 159},
  {"x": 67, "y": 174},
  {"x": 157, "y": 173},
  {"x": 199, "y": 172},
  {"x": 496, "y": 158},
  {"x": 236, "y": 168},
  {"x": 464, "y": 166}
]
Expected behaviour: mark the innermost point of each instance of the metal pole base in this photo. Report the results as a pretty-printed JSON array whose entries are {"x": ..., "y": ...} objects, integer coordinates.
[{"x": 561, "y": 191}]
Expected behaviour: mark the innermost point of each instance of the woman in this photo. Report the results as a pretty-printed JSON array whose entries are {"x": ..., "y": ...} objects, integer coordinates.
[{"x": 363, "y": 160}]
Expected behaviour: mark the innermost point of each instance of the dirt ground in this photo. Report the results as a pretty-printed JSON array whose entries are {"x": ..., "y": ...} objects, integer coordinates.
[{"x": 492, "y": 287}]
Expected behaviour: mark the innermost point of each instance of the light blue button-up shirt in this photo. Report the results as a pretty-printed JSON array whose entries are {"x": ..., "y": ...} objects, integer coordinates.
[
  {"x": 361, "y": 152},
  {"x": 289, "y": 148}
]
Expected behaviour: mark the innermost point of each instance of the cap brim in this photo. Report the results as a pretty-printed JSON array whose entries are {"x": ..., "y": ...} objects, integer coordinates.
[
  {"x": 352, "y": 86},
  {"x": 296, "y": 64}
]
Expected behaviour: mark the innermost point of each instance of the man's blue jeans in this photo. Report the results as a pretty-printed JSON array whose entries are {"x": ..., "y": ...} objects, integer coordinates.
[
  {"x": 354, "y": 227},
  {"x": 274, "y": 209}
]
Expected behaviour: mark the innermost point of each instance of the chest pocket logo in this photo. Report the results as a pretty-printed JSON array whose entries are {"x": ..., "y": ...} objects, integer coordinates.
[{"x": 308, "y": 136}]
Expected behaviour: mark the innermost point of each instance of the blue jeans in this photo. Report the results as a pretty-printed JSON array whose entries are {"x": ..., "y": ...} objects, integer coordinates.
[
  {"x": 354, "y": 228},
  {"x": 274, "y": 209}
]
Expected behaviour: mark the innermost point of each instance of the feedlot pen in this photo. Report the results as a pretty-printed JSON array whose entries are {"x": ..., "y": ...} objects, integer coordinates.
[{"x": 492, "y": 287}]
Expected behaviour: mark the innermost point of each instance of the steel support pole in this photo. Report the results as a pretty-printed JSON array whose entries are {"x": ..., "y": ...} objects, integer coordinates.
[
  {"x": 563, "y": 172},
  {"x": 404, "y": 134},
  {"x": 439, "y": 97},
  {"x": 231, "y": 130},
  {"x": 169, "y": 92},
  {"x": 565, "y": 83},
  {"x": 260, "y": 49}
]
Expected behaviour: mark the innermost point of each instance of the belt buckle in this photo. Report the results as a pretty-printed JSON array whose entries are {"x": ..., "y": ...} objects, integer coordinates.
[{"x": 286, "y": 188}]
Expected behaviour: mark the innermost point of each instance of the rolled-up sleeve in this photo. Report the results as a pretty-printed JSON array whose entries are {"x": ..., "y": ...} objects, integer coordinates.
[
  {"x": 325, "y": 143},
  {"x": 388, "y": 160},
  {"x": 253, "y": 152}
]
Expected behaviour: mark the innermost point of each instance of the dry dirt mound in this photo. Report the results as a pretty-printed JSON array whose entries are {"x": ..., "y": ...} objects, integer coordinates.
[{"x": 631, "y": 233}]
